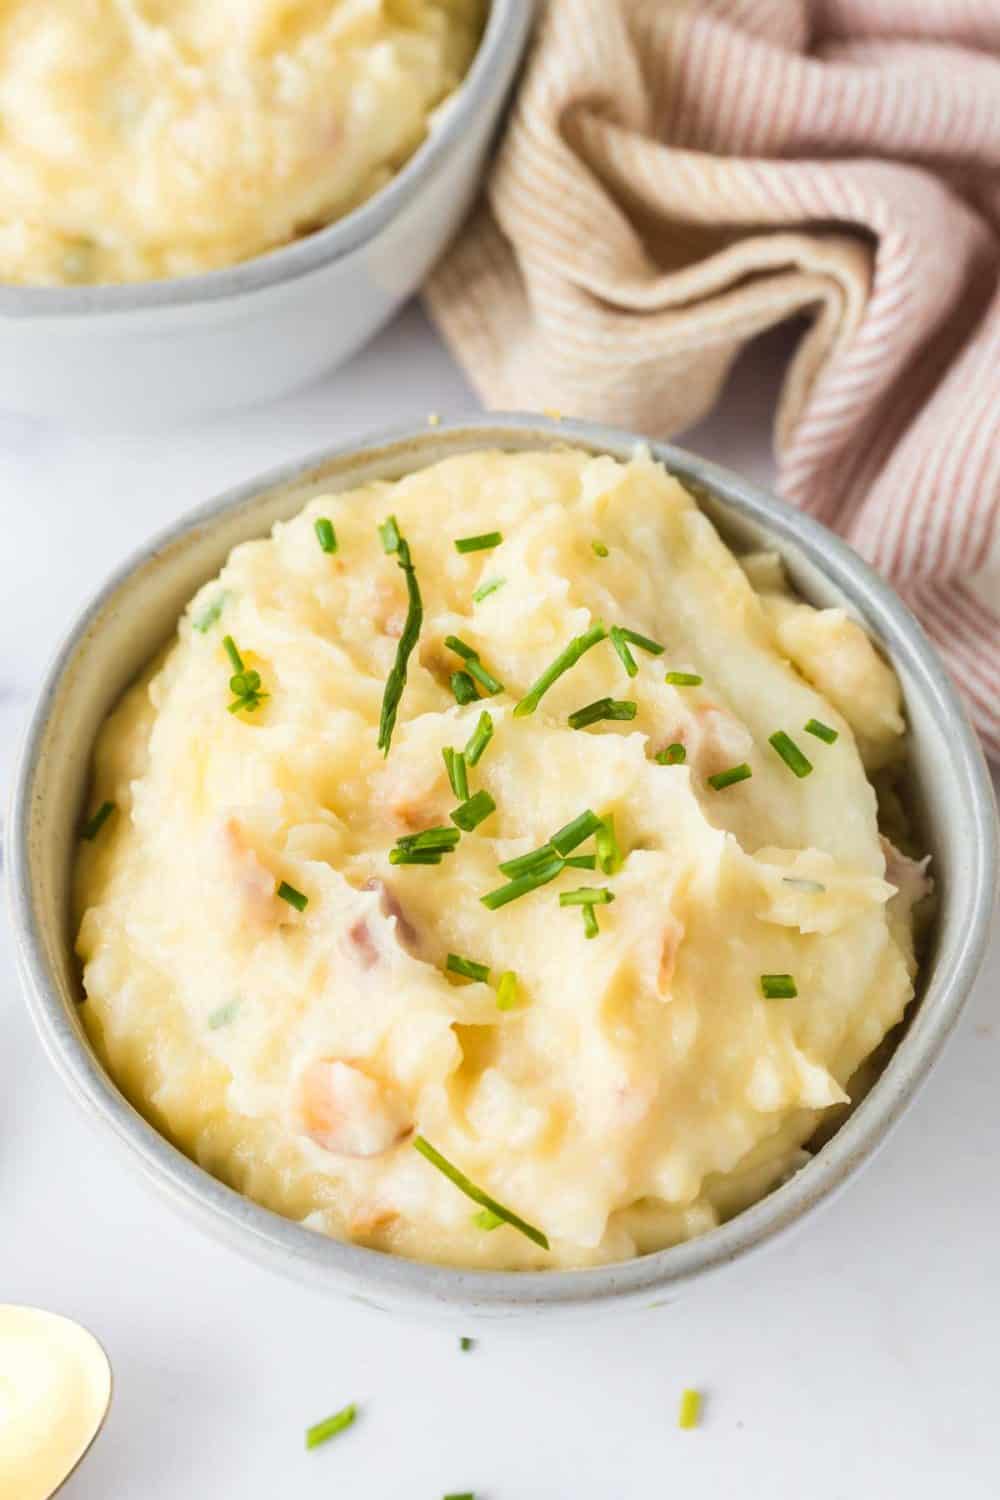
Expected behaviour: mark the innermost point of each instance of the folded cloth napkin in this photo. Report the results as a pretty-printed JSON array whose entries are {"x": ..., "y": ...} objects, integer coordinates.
[{"x": 678, "y": 176}]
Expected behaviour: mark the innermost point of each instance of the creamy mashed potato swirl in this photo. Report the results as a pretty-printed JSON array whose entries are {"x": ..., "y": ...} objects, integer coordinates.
[
  {"x": 641, "y": 1088},
  {"x": 142, "y": 139}
]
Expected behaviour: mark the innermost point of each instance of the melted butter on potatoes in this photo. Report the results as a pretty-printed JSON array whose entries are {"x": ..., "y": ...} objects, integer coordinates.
[{"x": 640, "y": 1087}]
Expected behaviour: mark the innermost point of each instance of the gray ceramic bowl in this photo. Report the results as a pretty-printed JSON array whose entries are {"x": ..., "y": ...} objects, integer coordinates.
[{"x": 137, "y": 610}]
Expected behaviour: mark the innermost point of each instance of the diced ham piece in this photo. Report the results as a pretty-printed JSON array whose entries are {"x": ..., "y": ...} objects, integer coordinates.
[{"x": 347, "y": 1112}]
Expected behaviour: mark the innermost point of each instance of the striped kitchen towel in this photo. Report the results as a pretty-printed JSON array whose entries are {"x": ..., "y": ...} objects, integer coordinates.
[{"x": 679, "y": 175}]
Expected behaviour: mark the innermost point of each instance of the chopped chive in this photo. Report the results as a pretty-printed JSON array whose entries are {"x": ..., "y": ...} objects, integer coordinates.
[
  {"x": 473, "y": 811},
  {"x": 643, "y": 642},
  {"x": 683, "y": 679},
  {"x": 483, "y": 543},
  {"x": 590, "y": 927},
  {"x": 243, "y": 684},
  {"x": 478, "y": 740},
  {"x": 415, "y": 856},
  {"x": 389, "y": 532},
  {"x": 523, "y": 863},
  {"x": 487, "y": 1219},
  {"x": 813, "y": 887},
  {"x": 431, "y": 838},
  {"x": 599, "y": 548},
  {"x": 573, "y": 834},
  {"x": 567, "y": 658},
  {"x": 778, "y": 987},
  {"x": 673, "y": 755},
  {"x": 508, "y": 993},
  {"x": 456, "y": 964},
  {"x": 461, "y": 648},
  {"x": 620, "y": 644},
  {"x": 466, "y": 1186},
  {"x": 223, "y": 1015},
  {"x": 690, "y": 1409},
  {"x": 292, "y": 896},
  {"x": 455, "y": 765},
  {"x": 486, "y": 589},
  {"x": 722, "y": 779},
  {"x": 229, "y": 646},
  {"x": 523, "y": 885},
  {"x": 587, "y": 895},
  {"x": 609, "y": 855},
  {"x": 603, "y": 708},
  {"x": 329, "y": 1428},
  {"x": 93, "y": 825},
  {"x": 210, "y": 613},
  {"x": 396, "y": 681},
  {"x": 821, "y": 731},
  {"x": 325, "y": 534},
  {"x": 582, "y": 862},
  {"x": 464, "y": 1495},
  {"x": 463, "y": 687},
  {"x": 465, "y": 1344},
  {"x": 472, "y": 664},
  {"x": 790, "y": 753}
]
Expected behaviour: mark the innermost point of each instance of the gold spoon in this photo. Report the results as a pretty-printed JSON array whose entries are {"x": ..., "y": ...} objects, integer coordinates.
[{"x": 55, "y": 1390}]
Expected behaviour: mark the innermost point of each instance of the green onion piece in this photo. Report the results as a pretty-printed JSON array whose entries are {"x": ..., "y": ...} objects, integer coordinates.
[
  {"x": 431, "y": 838},
  {"x": 325, "y": 534},
  {"x": 487, "y": 1219},
  {"x": 683, "y": 679},
  {"x": 414, "y": 856},
  {"x": 93, "y": 825},
  {"x": 456, "y": 964},
  {"x": 464, "y": 1185},
  {"x": 523, "y": 885},
  {"x": 581, "y": 862},
  {"x": 455, "y": 765},
  {"x": 643, "y": 642},
  {"x": 778, "y": 987},
  {"x": 609, "y": 856},
  {"x": 602, "y": 708},
  {"x": 473, "y": 665},
  {"x": 486, "y": 589},
  {"x": 229, "y": 646},
  {"x": 599, "y": 548},
  {"x": 690, "y": 1410},
  {"x": 474, "y": 811},
  {"x": 461, "y": 648},
  {"x": 465, "y": 1344},
  {"x": 566, "y": 659},
  {"x": 812, "y": 887},
  {"x": 790, "y": 753},
  {"x": 722, "y": 779},
  {"x": 223, "y": 1015},
  {"x": 587, "y": 895},
  {"x": 673, "y": 755},
  {"x": 331, "y": 1426},
  {"x": 507, "y": 991},
  {"x": 568, "y": 838},
  {"x": 821, "y": 731},
  {"x": 590, "y": 927},
  {"x": 483, "y": 543},
  {"x": 210, "y": 613},
  {"x": 523, "y": 863},
  {"x": 479, "y": 739},
  {"x": 292, "y": 896},
  {"x": 463, "y": 687},
  {"x": 389, "y": 532},
  {"x": 396, "y": 681},
  {"x": 620, "y": 644}
]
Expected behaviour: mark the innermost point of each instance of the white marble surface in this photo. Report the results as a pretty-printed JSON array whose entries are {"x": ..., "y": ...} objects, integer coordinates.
[{"x": 858, "y": 1359}]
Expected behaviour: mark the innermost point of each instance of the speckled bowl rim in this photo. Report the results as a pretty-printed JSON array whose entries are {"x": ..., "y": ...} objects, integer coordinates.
[
  {"x": 507, "y": 27},
  {"x": 373, "y": 1276}
]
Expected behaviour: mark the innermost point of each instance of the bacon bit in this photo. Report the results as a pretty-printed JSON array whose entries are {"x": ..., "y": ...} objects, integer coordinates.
[
  {"x": 390, "y": 907},
  {"x": 347, "y": 1112},
  {"x": 254, "y": 883},
  {"x": 364, "y": 1225},
  {"x": 360, "y": 935}
]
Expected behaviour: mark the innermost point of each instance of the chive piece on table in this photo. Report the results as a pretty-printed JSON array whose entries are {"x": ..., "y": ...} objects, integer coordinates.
[
  {"x": 722, "y": 779},
  {"x": 396, "y": 681},
  {"x": 463, "y": 688},
  {"x": 93, "y": 825},
  {"x": 620, "y": 644},
  {"x": 466, "y": 1186},
  {"x": 673, "y": 755},
  {"x": 479, "y": 739},
  {"x": 569, "y": 837},
  {"x": 467, "y": 967},
  {"x": 599, "y": 548},
  {"x": 465, "y": 1344},
  {"x": 587, "y": 895},
  {"x": 603, "y": 708},
  {"x": 482, "y": 543},
  {"x": 590, "y": 927},
  {"x": 523, "y": 885},
  {"x": 474, "y": 811},
  {"x": 292, "y": 896},
  {"x": 486, "y": 589},
  {"x": 325, "y": 534},
  {"x": 790, "y": 753},
  {"x": 609, "y": 855},
  {"x": 508, "y": 992},
  {"x": 821, "y": 731},
  {"x": 683, "y": 679},
  {"x": 389, "y": 532},
  {"x": 778, "y": 987},
  {"x": 464, "y": 1495},
  {"x": 567, "y": 658},
  {"x": 690, "y": 1409},
  {"x": 454, "y": 761},
  {"x": 329, "y": 1428},
  {"x": 210, "y": 614}
]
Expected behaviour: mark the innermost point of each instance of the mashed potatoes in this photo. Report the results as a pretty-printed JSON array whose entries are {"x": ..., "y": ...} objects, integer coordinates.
[
  {"x": 155, "y": 138},
  {"x": 272, "y": 990}
]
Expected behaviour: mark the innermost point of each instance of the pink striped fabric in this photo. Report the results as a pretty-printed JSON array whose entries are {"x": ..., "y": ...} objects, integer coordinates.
[{"x": 678, "y": 176}]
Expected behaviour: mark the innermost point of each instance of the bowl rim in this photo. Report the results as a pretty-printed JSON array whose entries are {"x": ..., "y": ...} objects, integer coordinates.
[
  {"x": 507, "y": 26},
  {"x": 266, "y": 1235}
]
